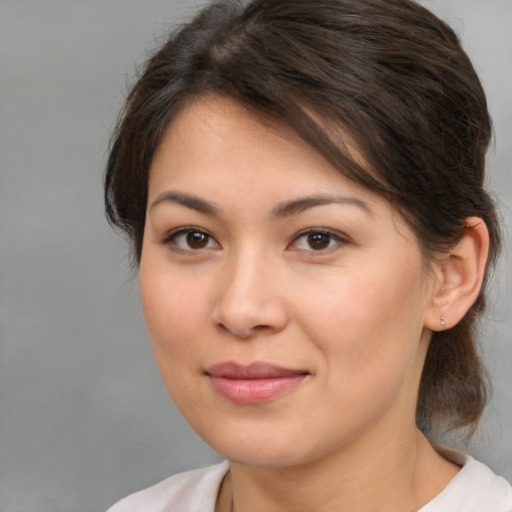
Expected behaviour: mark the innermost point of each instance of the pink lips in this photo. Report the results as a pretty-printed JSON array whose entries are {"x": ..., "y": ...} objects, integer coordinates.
[{"x": 253, "y": 384}]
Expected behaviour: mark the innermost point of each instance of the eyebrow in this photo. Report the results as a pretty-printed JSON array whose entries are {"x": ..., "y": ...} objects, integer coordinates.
[
  {"x": 187, "y": 200},
  {"x": 281, "y": 210},
  {"x": 289, "y": 208}
]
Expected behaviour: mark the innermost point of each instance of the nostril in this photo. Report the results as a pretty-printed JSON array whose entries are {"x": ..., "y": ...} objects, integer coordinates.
[
  {"x": 244, "y": 332},
  {"x": 260, "y": 328}
]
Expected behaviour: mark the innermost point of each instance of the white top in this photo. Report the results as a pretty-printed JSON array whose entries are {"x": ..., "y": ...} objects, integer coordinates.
[{"x": 475, "y": 489}]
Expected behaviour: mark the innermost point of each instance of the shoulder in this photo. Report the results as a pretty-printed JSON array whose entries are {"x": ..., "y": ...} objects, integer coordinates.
[
  {"x": 475, "y": 489},
  {"x": 192, "y": 491}
]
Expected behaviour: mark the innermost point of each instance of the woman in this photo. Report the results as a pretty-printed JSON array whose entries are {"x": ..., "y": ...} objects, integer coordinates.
[{"x": 302, "y": 185}]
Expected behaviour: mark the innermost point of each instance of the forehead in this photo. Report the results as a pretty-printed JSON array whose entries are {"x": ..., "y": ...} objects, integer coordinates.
[
  {"x": 213, "y": 134},
  {"x": 225, "y": 123}
]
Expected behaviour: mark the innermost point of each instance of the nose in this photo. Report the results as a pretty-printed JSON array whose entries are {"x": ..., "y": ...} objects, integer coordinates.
[{"x": 250, "y": 301}]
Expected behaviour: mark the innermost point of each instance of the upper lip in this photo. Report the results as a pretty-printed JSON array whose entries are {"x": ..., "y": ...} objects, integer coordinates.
[{"x": 258, "y": 370}]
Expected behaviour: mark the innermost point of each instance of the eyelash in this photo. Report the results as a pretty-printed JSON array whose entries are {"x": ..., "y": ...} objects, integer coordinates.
[
  {"x": 338, "y": 240},
  {"x": 170, "y": 240}
]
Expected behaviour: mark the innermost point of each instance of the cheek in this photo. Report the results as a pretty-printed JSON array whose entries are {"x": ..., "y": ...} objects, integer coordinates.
[
  {"x": 365, "y": 323},
  {"x": 173, "y": 310}
]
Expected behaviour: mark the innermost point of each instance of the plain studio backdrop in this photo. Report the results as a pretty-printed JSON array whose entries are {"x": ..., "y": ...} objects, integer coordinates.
[{"x": 84, "y": 419}]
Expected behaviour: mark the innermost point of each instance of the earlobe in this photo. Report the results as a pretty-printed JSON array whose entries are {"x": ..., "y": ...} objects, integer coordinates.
[{"x": 460, "y": 278}]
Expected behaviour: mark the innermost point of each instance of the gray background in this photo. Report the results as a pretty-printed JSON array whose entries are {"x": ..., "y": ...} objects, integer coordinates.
[{"x": 84, "y": 418}]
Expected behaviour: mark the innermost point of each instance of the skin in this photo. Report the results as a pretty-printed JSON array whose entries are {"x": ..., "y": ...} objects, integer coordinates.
[{"x": 354, "y": 315}]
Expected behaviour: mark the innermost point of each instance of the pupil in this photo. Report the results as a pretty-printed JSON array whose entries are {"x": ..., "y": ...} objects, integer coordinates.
[
  {"x": 197, "y": 240},
  {"x": 318, "y": 240}
]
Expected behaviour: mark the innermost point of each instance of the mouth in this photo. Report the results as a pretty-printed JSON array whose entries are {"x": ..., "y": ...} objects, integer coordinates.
[{"x": 255, "y": 383}]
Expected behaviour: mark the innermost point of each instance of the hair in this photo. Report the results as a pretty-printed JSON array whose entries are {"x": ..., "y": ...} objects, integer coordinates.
[{"x": 386, "y": 73}]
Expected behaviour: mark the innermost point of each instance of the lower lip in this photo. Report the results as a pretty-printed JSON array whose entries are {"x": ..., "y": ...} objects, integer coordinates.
[{"x": 255, "y": 391}]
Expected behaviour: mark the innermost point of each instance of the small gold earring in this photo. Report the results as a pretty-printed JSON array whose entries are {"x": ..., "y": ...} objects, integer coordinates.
[{"x": 442, "y": 320}]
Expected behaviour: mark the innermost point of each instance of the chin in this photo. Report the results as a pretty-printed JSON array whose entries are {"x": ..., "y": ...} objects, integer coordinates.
[{"x": 265, "y": 447}]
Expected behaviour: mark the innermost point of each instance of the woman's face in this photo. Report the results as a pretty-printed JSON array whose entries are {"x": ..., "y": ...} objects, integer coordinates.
[{"x": 285, "y": 304}]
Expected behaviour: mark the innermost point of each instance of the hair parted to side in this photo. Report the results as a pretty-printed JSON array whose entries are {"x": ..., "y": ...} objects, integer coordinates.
[{"x": 387, "y": 73}]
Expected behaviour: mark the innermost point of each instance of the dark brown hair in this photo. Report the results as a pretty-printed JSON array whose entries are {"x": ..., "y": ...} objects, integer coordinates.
[{"x": 388, "y": 73}]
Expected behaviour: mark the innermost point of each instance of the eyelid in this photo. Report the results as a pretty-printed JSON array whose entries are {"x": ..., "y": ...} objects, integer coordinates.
[
  {"x": 340, "y": 238},
  {"x": 168, "y": 238}
]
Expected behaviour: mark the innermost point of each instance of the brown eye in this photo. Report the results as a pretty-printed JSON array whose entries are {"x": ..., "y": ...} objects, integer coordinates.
[
  {"x": 190, "y": 239},
  {"x": 197, "y": 240},
  {"x": 319, "y": 241}
]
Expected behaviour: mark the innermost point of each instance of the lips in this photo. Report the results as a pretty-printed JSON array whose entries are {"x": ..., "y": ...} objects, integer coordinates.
[{"x": 255, "y": 383}]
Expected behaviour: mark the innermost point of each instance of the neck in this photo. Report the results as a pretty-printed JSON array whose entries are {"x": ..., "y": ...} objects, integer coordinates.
[{"x": 403, "y": 476}]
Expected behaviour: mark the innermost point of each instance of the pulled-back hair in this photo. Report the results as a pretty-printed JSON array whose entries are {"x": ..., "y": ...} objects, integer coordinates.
[{"x": 387, "y": 73}]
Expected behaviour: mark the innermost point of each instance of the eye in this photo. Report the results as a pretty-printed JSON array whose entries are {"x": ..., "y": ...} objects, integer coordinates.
[
  {"x": 190, "y": 239},
  {"x": 317, "y": 240}
]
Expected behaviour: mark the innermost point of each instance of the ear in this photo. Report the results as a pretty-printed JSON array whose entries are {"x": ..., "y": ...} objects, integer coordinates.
[{"x": 460, "y": 276}]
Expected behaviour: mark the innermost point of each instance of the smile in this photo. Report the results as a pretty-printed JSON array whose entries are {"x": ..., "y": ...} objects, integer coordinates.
[{"x": 253, "y": 384}]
